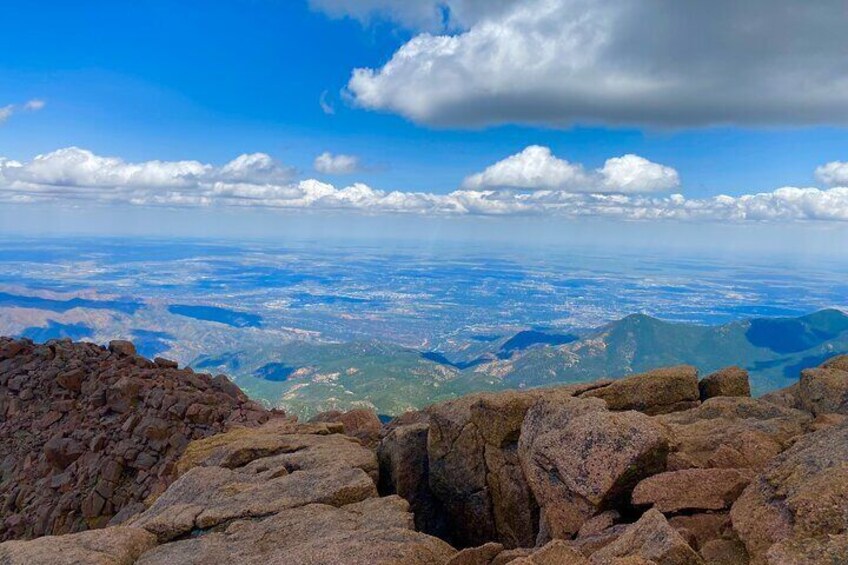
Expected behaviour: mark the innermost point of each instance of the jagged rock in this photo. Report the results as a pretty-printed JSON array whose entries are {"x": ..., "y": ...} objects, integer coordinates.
[
  {"x": 360, "y": 423},
  {"x": 731, "y": 432},
  {"x": 405, "y": 471},
  {"x": 555, "y": 552},
  {"x": 481, "y": 555},
  {"x": 590, "y": 543},
  {"x": 810, "y": 551},
  {"x": 599, "y": 523},
  {"x": 824, "y": 390},
  {"x": 86, "y": 432},
  {"x": 475, "y": 472},
  {"x": 458, "y": 472},
  {"x": 724, "y": 552},
  {"x": 374, "y": 531},
  {"x": 61, "y": 452},
  {"x": 788, "y": 397},
  {"x": 692, "y": 489},
  {"x": 730, "y": 381},
  {"x": 703, "y": 527},
  {"x": 579, "y": 458},
  {"x": 803, "y": 493},
  {"x": 655, "y": 392},
  {"x": 109, "y": 546},
  {"x": 651, "y": 538},
  {"x": 839, "y": 362}
]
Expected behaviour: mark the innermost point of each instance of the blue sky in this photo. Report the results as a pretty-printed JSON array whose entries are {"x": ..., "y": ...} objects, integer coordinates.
[{"x": 207, "y": 82}]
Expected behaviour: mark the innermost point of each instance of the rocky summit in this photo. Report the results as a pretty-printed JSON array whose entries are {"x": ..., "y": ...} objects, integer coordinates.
[{"x": 111, "y": 458}]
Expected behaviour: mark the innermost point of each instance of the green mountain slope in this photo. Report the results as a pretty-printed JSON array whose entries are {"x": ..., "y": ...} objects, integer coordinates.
[{"x": 306, "y": 377}]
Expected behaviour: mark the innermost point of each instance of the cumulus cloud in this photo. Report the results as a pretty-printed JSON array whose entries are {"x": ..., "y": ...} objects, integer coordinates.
[
  {"x": 536, "y": 168},
  {"x": 7, "y": 111},
  {"x": 642, "y": 62},
  {"x": 330, "y": 164},
  {"x": 256, "y": 180},
  {"x": 834, "y": 173}
]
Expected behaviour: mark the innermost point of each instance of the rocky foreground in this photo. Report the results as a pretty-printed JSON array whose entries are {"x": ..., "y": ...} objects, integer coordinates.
[{"x": 656, "y": 468}]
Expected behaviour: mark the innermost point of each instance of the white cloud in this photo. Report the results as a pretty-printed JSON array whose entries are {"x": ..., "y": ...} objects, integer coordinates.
[
  {"x": 74, "y": 175},
  {"x": 632, "y": 173},
  {"x": 643, "y": 62},
  {"x": 536, "y": 168},
  {"x": 326, "y": 107},
  {"x": 834, "y": 173},
  {"x": 330, "y": 164},
  {"x": 33, "y": 105}
]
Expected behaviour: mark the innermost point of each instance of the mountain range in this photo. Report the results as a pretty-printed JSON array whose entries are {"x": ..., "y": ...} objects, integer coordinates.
[{"x": 306, "y": 377}]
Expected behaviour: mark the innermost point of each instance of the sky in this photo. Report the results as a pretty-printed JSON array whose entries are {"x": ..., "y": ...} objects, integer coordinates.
[{"x": 363, "y": 111}]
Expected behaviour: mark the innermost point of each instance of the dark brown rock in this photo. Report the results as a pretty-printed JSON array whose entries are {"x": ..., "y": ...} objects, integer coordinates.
[
  {"x": 97, "y": 433},
  {"x": 122, "y": 347}
]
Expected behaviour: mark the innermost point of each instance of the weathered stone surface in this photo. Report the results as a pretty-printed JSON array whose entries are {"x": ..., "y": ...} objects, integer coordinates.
[
  {"x": 374, "y": 531},
  {"x": 692, "y": 489},
  {"x": 803, "y": 493},
  {"x": 405, "y": 471},
  {"x": 788, "y": 397},
  {"x": 724, "y": 552},
  {"x": 555, "y": 552},
  {"x": 652, "y": 538},
  {"x": 230, "y": 478},
  {"x": 109, "y": 546},
  {"x": 824, "y": 390},
  {"x": 299, "y": 444},
  {"x": 730, "y": 381},
  {"x": 702, "y": 527},
  {"x": 481, "y": 555},
  {"x": 810, "y": 551},
  {"x": 458, "y": 472},
  {"x": 839, "y": 362},
  {"x": 579, "y": 458},
  {"x": 87, "y": 431},
  {"x": 360, "y": 423},
  {"x": 655, "y": 392},
  {"x": 731, "y": 432}
]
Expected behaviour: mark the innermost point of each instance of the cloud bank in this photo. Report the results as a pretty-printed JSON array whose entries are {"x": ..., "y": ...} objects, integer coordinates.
[
  {"x": 257, "y": 180},
  {"x": 617, "y": 62}
]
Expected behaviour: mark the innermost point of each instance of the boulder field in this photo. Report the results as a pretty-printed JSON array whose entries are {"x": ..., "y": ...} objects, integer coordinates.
[{"x": 658, "y": 468}]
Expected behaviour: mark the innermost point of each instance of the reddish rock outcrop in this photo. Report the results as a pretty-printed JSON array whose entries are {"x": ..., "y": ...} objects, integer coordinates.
[
  {"x": 655, "y": 392},
  {"x": 730, "y": 381},
  {"x": 87, "y": 433},
  {"x": 546, "y": 476}
]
